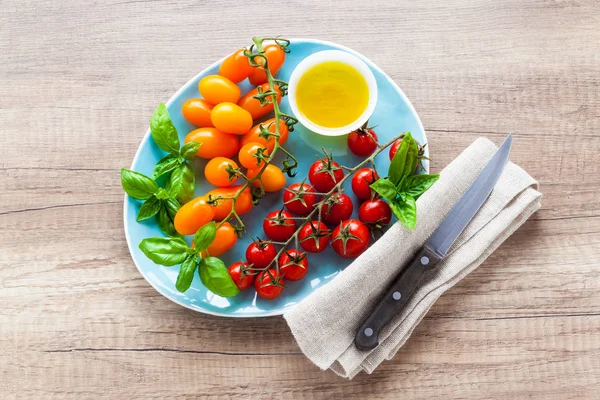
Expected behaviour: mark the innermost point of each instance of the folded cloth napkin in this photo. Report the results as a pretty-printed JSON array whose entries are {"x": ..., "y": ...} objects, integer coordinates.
[{"x": 324, "y": 324}]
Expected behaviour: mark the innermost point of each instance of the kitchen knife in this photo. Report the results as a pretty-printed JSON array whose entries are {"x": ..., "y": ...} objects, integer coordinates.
[{"x": 434, "y": 250}]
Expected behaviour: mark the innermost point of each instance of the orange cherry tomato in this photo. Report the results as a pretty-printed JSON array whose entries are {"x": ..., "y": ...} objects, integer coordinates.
[
  {"x": 231, "y": 118},
  {"x": 272, "y": 178},
  {"x": 225, "y": 239},
  {"x": 197, "y": 112},
  {"x": 193, "y": 215},
  {"x": 216, "y": 89},
  {"x": 253, "y": 106},
  {"x": 275, "y": 56},
  {"x": 216, "y": 171},
  {"x": 214, "y": 143},
  {"x": 253, "y": 134},
  {"x": 236, "y": 67},
  {"x": 248, "y": 155},
  {"x": 223, "y": 207}
]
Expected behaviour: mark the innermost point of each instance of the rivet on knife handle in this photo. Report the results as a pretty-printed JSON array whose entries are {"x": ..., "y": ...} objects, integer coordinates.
[{"x": 367, "y": 336}]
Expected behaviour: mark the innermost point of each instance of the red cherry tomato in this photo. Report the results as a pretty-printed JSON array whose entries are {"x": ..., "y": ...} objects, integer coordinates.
[
  {"x": 279, "y": 226},
  {"x": 394, "y": 148},
  {"x": 396, "y": 145},
  {"x": 293, "y": 264},
  {"x": 236, "y": 67},
  {"x": 269, "y": 286},
  {"x": 337, "y": 208},
  {"x": 375, "y": 213},
  {"x": 324, "y": 174},
  {"x": 275, "y": 57},
  {"x": 314, "y": 236},
  {"x": 362, "y": 142},
  {"x": 260, "y": 254},
  {"x": 242, "y": 278},
  {"x": 350, "y": 238},
  {"x": 300, "y": 198},
  {"x": 361, "y": 181}
]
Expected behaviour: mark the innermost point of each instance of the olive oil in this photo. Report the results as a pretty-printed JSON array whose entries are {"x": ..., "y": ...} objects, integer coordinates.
[{"x": 332, "y": 94}]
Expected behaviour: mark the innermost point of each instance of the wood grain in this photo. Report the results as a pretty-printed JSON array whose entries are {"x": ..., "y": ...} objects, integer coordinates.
[{"x": 78, "y": 82}]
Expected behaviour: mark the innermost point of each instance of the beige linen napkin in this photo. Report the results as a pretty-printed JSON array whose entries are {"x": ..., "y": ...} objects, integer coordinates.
[{"x": 324, "y": 324}]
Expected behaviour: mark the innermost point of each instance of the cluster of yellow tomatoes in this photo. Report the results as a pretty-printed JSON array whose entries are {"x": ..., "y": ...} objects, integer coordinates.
[{"x": 225, "y": 120}]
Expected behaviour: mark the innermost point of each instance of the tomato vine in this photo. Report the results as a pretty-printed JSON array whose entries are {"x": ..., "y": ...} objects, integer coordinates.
[{"x": 254, "y": 54}]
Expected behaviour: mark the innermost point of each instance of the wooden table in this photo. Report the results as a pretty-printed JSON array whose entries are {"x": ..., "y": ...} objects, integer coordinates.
[{"x": 78, "y": 83}]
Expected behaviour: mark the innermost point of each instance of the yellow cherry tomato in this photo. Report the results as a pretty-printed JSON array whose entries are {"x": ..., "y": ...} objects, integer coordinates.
[
  {"x": 197, "y": 112},
  {"x": 272, "y": 178},
  {"x": 225, "y": 239},
  {"x": 254, "y": 134},
  {"x": 223, "y": 207},
  {"x": 193, "y": 215},
  {"x": 231, "y": 118},
  {"x": 216, "y": 171},
  {"x": 248, "y": 155},
  {"x": 214, "y": 143},
  {"x": 253, "y": 106},
  {"x": 217, "y": 89},
  {"x": 275, "y": 56},
  {"x": 236, "y": 67}
]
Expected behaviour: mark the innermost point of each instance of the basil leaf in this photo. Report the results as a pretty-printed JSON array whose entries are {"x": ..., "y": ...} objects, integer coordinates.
[
  {"x": 416, "y": 185},
  {"x": 166, "y": 164},
  {"x": 182, "y": 183},
  {"x": 384, "y": 188},
  {"x": 404, "y": 162},
  {"x": 406, "y": 211},
  {"x": 149, "y": 209},
  {"x": 165, "y": 251},
  {"x": 186, "y": 273},
  {"x": 165, "y": 221},
  {"x": 189, "y": 150},
  {"x": 214, "y": 275},
  {"x": 172, "y": 206},
  {"x": 136, "y": 185},
  {"x": 163, "y": 131},
  {"x": 205, "y": 236}
]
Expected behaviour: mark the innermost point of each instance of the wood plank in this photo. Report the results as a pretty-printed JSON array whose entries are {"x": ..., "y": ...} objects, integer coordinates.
[
  {"x": 443, "y": 358},
  {"x": 78, "y": 83},
  {"x": 563, "y": 166}
]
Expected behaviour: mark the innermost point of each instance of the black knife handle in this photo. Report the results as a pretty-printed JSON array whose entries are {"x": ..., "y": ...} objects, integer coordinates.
[{"x": 367, "y": 336}]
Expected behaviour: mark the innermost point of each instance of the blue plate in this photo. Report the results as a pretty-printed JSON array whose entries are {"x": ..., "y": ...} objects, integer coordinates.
[{"x": 393, "y": 114}]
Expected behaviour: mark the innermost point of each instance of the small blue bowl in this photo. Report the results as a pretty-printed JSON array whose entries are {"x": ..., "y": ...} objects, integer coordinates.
[{"x": 393, "y": 114}]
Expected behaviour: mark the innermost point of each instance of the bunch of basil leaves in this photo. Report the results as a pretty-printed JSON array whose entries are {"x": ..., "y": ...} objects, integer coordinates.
[
  {"x": 173, "y": 251},
  {"x": 159, "y": 202},
  {"x": 402, "y": 187}
]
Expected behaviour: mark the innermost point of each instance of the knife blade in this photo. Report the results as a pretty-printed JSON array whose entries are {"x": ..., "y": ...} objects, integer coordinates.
[{"x": 434, "y": 249}]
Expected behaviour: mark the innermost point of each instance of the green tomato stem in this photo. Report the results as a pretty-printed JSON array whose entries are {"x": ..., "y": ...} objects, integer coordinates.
[
  {"x": 319, "y": 205},
  {"x": 258, "y": 42}
]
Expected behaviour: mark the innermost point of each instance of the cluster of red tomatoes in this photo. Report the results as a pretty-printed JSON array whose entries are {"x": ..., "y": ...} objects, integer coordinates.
[{"x": 332, "y": 224}]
